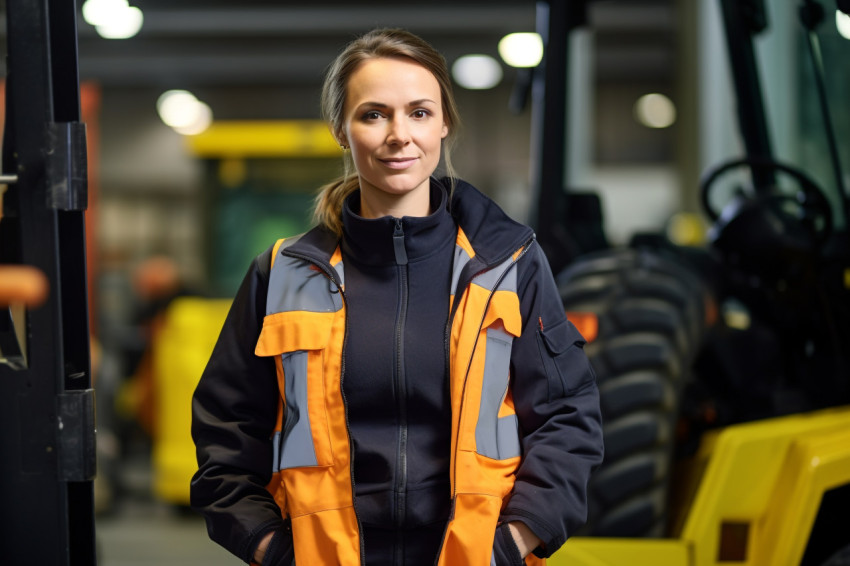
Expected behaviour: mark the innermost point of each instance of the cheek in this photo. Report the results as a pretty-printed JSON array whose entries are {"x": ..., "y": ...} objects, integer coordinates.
[
  {"x": 433, "y": 137},
  {"x": 364, "y": 138}
]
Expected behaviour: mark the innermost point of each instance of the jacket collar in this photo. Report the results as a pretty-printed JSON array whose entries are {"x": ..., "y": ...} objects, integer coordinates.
[{"x": 493, "y": 234}]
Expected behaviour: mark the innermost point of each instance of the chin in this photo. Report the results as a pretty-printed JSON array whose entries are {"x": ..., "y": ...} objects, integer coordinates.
[{"x": 399, "y": 187}]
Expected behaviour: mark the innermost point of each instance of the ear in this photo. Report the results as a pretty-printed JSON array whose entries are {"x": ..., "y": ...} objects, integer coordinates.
[
  {"x": 445, "y": 131},
  {"x": 341, "y": 138}
]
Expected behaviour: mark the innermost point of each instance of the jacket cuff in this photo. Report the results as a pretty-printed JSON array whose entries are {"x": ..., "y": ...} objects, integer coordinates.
[
  {"x": 505, "y": 550},
  {"x": 280, "y": 551},
  {"x": 549, "y": 542}
]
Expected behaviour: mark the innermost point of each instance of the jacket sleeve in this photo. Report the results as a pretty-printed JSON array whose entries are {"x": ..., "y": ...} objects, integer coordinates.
[
  {"x": 234, "y": 409},
  {"x": 557, "y": 405}
]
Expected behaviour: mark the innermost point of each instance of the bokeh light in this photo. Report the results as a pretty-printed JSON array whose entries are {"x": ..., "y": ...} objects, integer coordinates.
[
  {"x": 477, "y": 72},
  {"x": 521, "y": 49},
  {"x": 655, "y": 111}
]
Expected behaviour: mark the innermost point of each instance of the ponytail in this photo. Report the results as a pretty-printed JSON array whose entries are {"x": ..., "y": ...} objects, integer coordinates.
[{"x": 328, "y": 211}]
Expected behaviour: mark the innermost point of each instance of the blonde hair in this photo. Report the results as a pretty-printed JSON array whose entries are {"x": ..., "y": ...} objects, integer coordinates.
[{"x": 379, "y": 43}]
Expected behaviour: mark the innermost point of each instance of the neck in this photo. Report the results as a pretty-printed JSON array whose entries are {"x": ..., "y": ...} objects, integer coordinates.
[{"x": 377, "y": 204}]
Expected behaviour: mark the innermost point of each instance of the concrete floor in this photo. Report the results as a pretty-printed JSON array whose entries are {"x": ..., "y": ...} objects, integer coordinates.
[
  {"x": 135, "y": 529},
  {"x": 153, "y": 535}
]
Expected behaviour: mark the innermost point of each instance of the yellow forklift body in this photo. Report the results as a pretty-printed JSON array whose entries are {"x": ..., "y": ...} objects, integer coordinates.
[
  {"x": 591, "y": 551},
  {"x": 759, "y": 487}
]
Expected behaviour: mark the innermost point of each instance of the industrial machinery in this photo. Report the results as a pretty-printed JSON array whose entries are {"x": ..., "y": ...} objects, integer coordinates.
[
  {"x": 47, "y": 429},
  {"x": 723, "y": 371}
]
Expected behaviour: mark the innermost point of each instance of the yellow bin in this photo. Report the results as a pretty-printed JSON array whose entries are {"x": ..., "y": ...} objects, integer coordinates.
[{"x": 180, "y": 353}]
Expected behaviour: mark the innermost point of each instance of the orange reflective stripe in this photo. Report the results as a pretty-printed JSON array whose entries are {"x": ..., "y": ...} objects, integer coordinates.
[{"x": 276, "y": 249}]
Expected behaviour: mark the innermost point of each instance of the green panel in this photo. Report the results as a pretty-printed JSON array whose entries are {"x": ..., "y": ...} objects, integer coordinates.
[{"x": 264, "y": 200}]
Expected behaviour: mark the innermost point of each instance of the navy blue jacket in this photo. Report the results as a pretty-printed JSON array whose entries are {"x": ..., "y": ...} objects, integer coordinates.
[{"x": 556, "y": 399}]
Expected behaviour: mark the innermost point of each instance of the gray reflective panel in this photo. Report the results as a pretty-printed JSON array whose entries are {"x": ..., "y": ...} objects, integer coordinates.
[
  {"x": 297, "y": 446},
  {"x": 494, "y": 437},
  {"x": 276, "y": 455},
  {"x": 336, "y": 296},
  {"x": 460, "y": 261},
  {"x": 294, "y": 285},
  {"x": 507, "y": 435},
  {"x": 489, "y": 278}
]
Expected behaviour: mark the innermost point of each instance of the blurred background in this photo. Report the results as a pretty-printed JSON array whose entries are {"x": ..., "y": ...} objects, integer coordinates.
[{"x": 179, "y": 205}]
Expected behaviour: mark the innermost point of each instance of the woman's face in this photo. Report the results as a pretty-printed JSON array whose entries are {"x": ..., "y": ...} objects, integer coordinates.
[{"x": 394, "y": 125}]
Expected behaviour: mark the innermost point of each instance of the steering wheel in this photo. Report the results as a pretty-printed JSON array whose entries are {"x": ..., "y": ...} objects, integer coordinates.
[{"x": 813, "y": 207}]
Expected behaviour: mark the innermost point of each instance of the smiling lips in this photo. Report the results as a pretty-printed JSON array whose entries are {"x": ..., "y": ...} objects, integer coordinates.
[{"x": 398, "y": 162}]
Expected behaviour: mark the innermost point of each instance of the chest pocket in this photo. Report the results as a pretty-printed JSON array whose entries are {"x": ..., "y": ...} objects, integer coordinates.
[{"x": 300, "y": 340}]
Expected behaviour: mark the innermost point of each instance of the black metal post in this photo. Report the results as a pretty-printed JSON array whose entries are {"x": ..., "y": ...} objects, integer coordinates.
[
  {"x": 556, "y": 19},
  {"x": 811, "y": 15},
  {"x": 47, "y": 404},
  {"x": 742, "y": 20}
]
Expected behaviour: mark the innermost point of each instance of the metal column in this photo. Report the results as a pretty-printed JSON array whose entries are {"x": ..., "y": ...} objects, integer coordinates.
[
  {"x": 556, "y": 19},
  {"x": 47, "y": 438}
]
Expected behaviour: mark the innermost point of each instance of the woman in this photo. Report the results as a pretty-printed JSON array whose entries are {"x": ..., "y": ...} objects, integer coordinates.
[{"x": 399, "y": 385}]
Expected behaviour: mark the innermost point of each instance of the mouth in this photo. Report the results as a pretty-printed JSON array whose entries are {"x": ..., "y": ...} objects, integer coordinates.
[{"x": 398, "y": 162}]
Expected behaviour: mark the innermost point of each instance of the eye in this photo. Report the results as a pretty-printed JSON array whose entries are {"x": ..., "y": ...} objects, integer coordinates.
[
  {"x": 420, "y": 114},
  {"x": 371, "y": 115}
]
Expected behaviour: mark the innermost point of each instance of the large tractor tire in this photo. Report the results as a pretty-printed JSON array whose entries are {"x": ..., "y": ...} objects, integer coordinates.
[
  {"x": 650, "y": 316},
  {"x": 840, "y": 558}
]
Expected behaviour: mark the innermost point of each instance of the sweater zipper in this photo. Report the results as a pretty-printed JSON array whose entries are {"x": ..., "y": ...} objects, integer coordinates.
[
  {"x": 400, "y": 376},
  {"x": 332, "y": 276}
]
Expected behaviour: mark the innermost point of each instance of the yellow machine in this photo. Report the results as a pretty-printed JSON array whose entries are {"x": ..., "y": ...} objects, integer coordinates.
[
  {"x": 757, "y": 488},
  {"x": 180, "y": 353}
]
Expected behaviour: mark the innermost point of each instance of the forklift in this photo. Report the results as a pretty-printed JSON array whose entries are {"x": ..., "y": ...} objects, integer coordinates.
[{"x": 723, "y": 370}]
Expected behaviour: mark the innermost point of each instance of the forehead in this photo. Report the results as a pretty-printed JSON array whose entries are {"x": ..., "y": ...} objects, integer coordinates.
[{"x": 391, "y": 80}]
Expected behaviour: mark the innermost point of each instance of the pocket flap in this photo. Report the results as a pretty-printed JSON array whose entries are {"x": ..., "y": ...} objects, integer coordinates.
[
  {"x": 561, "y": 336},
  {"x": 504, "y": 306},
  {"x": 293, "y": 331}
]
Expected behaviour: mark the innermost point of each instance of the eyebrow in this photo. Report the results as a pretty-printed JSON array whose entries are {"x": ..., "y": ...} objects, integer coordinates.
[{"x": 382, "y": 105}]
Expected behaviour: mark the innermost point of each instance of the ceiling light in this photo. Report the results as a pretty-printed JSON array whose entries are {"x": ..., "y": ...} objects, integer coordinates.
[
  {"x": 181, "y": 110},
  {"x": 842, "y": 22},
  {"x": 477, "y": 72},
  {"x": 100, "y": 12},
  {"x": 655, "y": 111},
  {"x": 521, "y": 49},
  {"x": 113, "y": 19},
  {"x": 202, "y": 121}
]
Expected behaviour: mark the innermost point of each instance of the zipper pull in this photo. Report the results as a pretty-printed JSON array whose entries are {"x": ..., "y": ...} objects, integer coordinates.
[{"x": 398, "y": 243}]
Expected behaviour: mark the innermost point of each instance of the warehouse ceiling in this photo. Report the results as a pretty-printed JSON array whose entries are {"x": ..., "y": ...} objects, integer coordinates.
[{"x": 213, "y": 42}]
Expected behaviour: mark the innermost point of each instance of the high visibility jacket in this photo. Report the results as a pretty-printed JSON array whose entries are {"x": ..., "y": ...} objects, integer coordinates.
[{"x": 303, "y": 331}]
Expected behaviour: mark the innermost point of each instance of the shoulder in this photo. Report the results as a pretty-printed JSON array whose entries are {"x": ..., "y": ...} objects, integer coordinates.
[
  {"x": 317, "y": 244},
  {"x": 491, "y": 231}
]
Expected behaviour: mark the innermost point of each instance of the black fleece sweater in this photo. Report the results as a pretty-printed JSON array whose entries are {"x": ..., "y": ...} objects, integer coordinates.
[{"x": 397, "y": 287}]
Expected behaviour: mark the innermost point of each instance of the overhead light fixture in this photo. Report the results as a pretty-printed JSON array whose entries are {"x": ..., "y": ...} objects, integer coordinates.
[
  {"x": 181, "y": 110},
  {"x": 655, "y": 111},
  {"x": 113, "y": 19},
  {"x": 477, "y": 72},
  {"x": 521, "y": 49},
  {"x": 842, "y": 22}
]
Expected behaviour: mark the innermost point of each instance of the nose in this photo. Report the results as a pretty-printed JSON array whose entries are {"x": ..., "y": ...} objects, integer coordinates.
[{"x": 399, "y": 134}]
